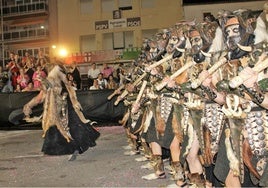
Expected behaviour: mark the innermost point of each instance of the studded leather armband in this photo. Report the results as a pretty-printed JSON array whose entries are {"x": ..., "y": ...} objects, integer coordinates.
[
  {"x": 256, "y": 96},
  {"x": 210, "y": 93}
]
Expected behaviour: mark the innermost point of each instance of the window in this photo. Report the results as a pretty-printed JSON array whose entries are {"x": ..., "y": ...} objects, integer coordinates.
[
  {"x": 86, "y": 6},
  {"x": 118, "y": 40},
  {"x": 107, "y": 5},
  {"x": 107, "y": 41},
  {"x": 125, "y": 4},
  {"x": 19, "y": 2},
  {"x": 129, "y": 39},
  {"x": 87, "y": 43}
]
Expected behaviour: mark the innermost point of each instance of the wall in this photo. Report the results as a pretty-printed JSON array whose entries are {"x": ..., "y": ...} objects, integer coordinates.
[{"x": 73, "y": 24}]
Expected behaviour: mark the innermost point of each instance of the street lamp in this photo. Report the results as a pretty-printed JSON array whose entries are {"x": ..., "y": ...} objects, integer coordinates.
[{"x": 63, "y": 53}]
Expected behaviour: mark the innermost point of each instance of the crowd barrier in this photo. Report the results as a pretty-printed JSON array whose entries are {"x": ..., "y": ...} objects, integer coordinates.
[{"x": 95, "y": 106}]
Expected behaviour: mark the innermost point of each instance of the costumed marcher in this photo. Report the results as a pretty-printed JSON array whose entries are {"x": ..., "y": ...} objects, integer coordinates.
[
  {"x": 66, "y": 130},
  {"x": 204, "y": 112},
  {"x": 252, "y": 80},
  {"x": 229, "y": 168},
  {"x": 203, "y": 116}
]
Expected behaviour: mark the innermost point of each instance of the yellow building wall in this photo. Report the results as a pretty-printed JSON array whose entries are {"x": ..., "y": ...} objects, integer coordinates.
[{"x": 72, "y": 24}]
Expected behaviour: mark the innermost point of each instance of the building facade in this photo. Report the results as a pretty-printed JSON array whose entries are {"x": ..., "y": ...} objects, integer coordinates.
[
  {"x": 82, "y": 26},
  {"x": 26, "y": 26}
]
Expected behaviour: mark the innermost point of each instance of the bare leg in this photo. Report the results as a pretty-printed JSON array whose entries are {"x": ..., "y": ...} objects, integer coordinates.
[
  {"x": 192, "y": 158},
  {"x": 232, "y": 181},
  {"x": 156, "y": 148},
  {"x": 178, "y": 174},
  {"x": 175, "y": 149}
]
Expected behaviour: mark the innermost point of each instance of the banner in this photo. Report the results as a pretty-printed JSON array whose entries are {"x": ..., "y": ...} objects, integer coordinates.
[{"x": 118, "y": 23}]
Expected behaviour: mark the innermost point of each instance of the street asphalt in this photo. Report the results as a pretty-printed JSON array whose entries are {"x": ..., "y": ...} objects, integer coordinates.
[{"x": 22, "y": 164}]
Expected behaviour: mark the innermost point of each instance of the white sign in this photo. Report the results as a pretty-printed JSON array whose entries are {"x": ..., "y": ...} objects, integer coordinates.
[{"x": 117, "y": 23}]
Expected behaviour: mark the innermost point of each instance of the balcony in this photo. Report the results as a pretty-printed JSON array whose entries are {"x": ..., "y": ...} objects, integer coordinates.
[
  {"x": 26, "y": 35},
  {"x": 38, "y": 8}
]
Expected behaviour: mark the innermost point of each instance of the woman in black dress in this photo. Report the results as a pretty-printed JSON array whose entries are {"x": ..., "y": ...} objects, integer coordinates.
[{"x": 66, "y": 130}]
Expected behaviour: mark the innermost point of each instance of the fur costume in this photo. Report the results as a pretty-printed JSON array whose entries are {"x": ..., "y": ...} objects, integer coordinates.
[{"x": 66, "y": 130}]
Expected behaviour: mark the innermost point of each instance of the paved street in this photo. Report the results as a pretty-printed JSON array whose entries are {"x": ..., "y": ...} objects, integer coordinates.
[{"x": 23, "y": 165}]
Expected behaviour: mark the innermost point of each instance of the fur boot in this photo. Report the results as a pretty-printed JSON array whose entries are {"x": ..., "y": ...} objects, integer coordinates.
[
  {"x": 178, "y": 172},
  {"x": 158, "y": 166}
]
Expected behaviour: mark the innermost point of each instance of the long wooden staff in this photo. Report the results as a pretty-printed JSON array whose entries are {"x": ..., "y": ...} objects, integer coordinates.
[
  {"x": 211, "y": 70},
  {"x": 175, "y": 74},
  {"x": 125, "y": 92},
  {"x": 144, "y": 83},
  {"x": 116, "y": 92},
  {"x": 165, "y": 59},
  {"x": 238, "y": 80}
]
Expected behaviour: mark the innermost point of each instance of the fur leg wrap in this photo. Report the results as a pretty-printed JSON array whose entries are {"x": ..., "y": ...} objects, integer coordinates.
[
  {"x": 147, "y": 150},
  {"x": 158, "y": 164},
  {"x": 233, "y": 161},
  {"x": 178, "y": 171}
]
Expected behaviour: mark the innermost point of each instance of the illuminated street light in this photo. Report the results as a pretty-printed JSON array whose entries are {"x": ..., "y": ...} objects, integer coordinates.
[{"x": 63, "y": 52}]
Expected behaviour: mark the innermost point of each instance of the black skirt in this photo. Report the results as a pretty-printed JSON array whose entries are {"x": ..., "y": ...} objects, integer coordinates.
[{"x": 84, "y": 136}]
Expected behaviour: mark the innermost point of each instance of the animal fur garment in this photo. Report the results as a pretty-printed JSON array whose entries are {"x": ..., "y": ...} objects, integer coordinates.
[{"x": 53, "y": 103}]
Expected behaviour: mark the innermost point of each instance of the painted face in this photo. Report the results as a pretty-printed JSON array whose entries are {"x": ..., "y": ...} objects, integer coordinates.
[
  {"x": 196, "y": 43},
  {"x": 233, "y": 36},
  {"x": 153, "y": 49}
]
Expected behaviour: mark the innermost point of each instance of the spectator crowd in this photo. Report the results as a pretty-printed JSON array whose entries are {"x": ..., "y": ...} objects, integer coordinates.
[{"x": 25, "y": 73}]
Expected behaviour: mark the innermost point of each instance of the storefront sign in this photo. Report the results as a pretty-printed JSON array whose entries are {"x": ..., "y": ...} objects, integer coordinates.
[
  {"x": 101, "y": 25},
  {"x": 118, "y": 23},
  {"x": 133, "y": 22}
]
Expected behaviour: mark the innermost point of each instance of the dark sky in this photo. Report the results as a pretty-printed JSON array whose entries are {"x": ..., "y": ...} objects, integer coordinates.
[{"x": 190, "y": 2}]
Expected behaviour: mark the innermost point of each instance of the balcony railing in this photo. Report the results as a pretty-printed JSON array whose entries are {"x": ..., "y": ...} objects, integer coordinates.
[
  {"x": 39, "y": 7},
  {"x": 32, "y": 34}
]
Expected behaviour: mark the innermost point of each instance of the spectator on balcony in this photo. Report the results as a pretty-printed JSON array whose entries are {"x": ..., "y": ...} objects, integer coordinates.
[
  {"x": 118, "y": 69},
  {"x": 29, "y": 69},
  {"x": 76, "y": 75},
  {"x": 38, "y": 75},
  {"x": 107, "y": 71},
  {"x": 71, "y": 80},
  {"x": 112, "y": 83},
  {"x": 102, "y": 82},
  {"x": 92, "y": 74},
  {"x": 17, "y": 89},
  {"x": 41, "y": 59},
  {"x": 5, "y": 82},
  {"x": 12, "y": 67},
  {"x": 95, "y": 85},
  {"x": 22, "y": 79},
  {"x": 30, "y": 87},
  {"x": 3, "y": 78},
  {"x": 26, "y": 59}
]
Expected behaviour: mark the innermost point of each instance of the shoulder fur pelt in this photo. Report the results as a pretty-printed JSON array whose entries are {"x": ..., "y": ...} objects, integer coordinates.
[{"x": 52, "y": 107}]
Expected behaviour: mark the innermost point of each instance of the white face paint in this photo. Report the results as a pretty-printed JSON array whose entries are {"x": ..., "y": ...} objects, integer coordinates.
[
  {"x": 196, "y": 42},
  {"x": 233, "y": 36}
]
